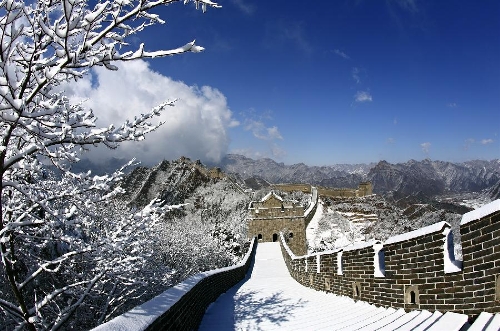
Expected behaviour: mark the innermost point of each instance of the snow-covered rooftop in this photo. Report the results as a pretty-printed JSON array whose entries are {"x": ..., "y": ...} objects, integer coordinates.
[{"x": 271, "y": 194}]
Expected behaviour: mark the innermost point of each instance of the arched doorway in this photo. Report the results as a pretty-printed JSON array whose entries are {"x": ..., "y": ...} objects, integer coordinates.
[{"x": 275, "y": 237}]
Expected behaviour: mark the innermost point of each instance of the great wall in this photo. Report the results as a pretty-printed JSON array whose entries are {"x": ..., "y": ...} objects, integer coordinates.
[{"x": 414, "y": 271}]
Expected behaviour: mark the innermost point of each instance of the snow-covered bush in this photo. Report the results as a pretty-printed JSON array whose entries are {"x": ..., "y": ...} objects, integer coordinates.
[
  {"x": 68, "y": 256},
  {"x": 212, "y": 235}
]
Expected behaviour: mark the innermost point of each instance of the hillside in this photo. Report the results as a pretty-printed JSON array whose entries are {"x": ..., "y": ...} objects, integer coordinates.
[
  {"x": 206, "y": 232},
  {"x": 345, "y": 221}
]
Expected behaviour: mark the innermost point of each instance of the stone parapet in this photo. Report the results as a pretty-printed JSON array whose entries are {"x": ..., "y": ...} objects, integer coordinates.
[
  {"x": 415, "y": 270},
  {"x": 183, "y": 306}
]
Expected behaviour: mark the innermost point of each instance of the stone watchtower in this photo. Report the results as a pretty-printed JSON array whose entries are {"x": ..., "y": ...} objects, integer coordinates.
[
  {"x": 271, "y": 215},
  {"x": 364, "y": 189}
]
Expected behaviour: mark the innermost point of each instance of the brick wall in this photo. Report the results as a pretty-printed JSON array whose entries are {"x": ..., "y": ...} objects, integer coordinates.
[
  {"x": 182, "y": 307},
  {"x": 269, "y": 230},
  {"x": 415, "y": 270}
]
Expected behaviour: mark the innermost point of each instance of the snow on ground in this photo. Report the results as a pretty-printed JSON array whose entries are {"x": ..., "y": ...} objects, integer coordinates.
[
  {"x": 270, "y": 299},
  {"x": 313, "y": 225},
  {"x": 475, "y": 203},
  {"x": 331, "y": 229}
]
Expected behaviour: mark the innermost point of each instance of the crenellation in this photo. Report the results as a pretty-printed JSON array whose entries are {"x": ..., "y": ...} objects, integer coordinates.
[{"x": 421, "y": 260}]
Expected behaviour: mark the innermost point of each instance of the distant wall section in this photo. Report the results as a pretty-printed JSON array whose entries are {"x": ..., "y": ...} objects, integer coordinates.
[
  {"x": 305, "y": 188},
  {"x": 364, "y": 189}
]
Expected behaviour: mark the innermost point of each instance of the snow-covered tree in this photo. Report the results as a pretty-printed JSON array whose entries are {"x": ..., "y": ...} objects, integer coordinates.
[
  {"x": 63, "y": 244},
  {"x": 209, "y": 236}
]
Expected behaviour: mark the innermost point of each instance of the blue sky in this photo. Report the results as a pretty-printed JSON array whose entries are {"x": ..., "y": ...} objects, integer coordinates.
[{"x": 348, "y": 81}]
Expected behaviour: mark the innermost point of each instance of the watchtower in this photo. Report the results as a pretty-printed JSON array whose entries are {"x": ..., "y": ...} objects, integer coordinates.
[
  {"x": 364, "y": 189},
  {"x": 271, "y": 215}
]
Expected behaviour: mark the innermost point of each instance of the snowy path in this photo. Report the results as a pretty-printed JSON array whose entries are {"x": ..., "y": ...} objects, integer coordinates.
[{"x": 270, "y": 299}]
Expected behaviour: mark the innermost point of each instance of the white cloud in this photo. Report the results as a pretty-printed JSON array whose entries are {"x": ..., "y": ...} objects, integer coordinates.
[
  {"x": 277, "y": 151},
  {"x": 195, "y": 127},
  {"x": 257, "y": 124},
  {"x": 363, "y": 96},
  {"x": 425, "y": 147},
  {"x": 451, "y": 105},
  {"x": 260, "y": 131},
  {"x": 341, "y": 54},
  {"x": 273, "y": 133},
  {"x": 244, "y": 7},
  {"x": 486, "y": 141}
]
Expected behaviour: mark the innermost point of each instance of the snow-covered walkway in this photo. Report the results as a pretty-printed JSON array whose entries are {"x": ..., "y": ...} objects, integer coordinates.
[{"x": 270, "y": 299}]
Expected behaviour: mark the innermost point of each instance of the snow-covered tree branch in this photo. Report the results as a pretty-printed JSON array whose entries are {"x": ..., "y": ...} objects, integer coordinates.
[{"x": 63, "y": 241}]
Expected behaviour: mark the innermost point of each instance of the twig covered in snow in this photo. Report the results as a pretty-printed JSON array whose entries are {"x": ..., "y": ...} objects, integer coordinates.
[{"x": 63, "y": 242}]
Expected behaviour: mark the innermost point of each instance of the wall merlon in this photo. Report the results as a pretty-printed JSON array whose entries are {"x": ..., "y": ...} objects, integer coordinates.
[{"x": 484, "y": 213}]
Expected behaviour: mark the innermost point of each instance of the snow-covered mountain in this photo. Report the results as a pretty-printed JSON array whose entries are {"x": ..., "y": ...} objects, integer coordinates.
[
  {"x": 493, "y": 192},
  {"x": 340, "y": 175},
  {"x": 434, "y": 177},
  {"x": 170, "y": 181},
  {"x": 425, "y": 177}
]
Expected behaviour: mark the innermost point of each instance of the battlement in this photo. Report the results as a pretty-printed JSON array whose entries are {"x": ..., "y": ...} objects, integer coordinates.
[
  {"x": 415, "y": 270},
  {"x": 273, "y": 206}
]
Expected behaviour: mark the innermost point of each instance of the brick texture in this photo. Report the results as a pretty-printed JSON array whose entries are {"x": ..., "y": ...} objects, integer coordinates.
[{"x": 415, "y": 276}]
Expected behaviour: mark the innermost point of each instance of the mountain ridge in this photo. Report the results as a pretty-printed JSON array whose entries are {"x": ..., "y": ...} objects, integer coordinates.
[{"x": 424, "y": 177}]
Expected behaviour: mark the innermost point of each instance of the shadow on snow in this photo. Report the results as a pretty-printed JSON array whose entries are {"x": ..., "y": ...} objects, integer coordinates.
[{"x": 248, "y": 309}]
